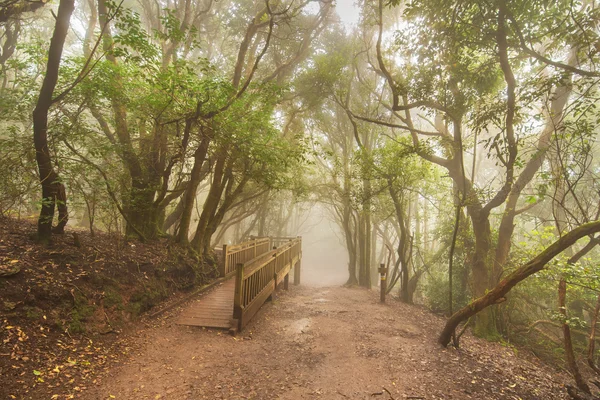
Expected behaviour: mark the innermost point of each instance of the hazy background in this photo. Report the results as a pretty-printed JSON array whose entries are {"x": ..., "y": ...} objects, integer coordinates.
[{"x": 324, "y": 258}]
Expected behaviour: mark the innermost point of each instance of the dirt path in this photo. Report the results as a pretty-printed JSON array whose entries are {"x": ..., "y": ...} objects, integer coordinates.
[{"x": 323, "y": 343}]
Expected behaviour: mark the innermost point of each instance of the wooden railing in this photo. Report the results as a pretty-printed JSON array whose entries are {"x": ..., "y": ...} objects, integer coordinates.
[
  {"x": 257, "y": 279},
  {"x": 242, "y": 253},
  {"x": 278, "y": 241}
]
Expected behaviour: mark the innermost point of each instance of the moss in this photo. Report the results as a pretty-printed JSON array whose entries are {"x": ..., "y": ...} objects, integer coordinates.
[
  {"x": 81, "y": 311},
  {"x": 112, "y": 298},
  {"x": 32, "y": 312},
  {"x": 143, "y": 300}
]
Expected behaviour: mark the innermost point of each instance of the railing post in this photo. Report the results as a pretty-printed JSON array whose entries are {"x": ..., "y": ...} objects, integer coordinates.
[
  {"x": 297, "y": 272},
  {"x": 223, "y": 265},
  {"x": 255, "y": 240},
  {"x": 238, "y": 308},
  {"x": 383, "y": 272},
  {"x": 298, "y": 265}
]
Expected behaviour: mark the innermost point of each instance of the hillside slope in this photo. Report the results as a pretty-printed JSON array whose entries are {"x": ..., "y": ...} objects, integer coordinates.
[{"x": 63, "y": 308}]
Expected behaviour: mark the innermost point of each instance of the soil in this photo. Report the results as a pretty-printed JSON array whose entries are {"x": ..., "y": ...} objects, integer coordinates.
[
  {"x": 324, "y": 343},
  {"x": 65, "y": 309}
]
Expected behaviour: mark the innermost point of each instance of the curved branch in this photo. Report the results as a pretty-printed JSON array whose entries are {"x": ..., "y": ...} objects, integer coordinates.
[
  {"x": 496, "y": 295},
  {"x": 543, "y": 59}
]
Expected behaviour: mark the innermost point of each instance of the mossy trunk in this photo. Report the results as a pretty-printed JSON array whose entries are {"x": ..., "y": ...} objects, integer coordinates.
[
  {"x": 485, "y": 324},
  {"x": 53, "y": 191},
  {"x": 496, "y": 295}
]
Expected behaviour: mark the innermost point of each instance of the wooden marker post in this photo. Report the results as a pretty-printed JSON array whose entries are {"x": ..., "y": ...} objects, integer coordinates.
[{"x": 383, "y": 274}]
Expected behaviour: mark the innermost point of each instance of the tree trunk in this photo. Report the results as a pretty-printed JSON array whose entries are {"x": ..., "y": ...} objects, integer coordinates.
[
  {"x": 230, "y": 196},
  {"x": 412, "y": 285},
  {"x": 363, "y": 272},
  {"x": 592, "y": 343},
  {"x": 403, "y": 241},
  {"x": 485, "y": 325},
  {"x": 173, "y": 217},
  {"x": 569, "y": 354},
  {"x": 53, "y": 190},
  {"x": 189, "y": 196},
  {"x": 367, "y": 256},
  {"x": 553, "y": 123},
  {"x": 496, "y": 295},
  {"x": 211, "y": 203},
  {"x": 142, "y": 213},
  {"x": 373, "y": 254},
  {"x": 350, "y": 245}
]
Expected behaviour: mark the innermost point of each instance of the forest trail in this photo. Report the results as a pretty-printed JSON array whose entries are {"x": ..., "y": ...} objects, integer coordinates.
[{"x": 323, "y": 343}]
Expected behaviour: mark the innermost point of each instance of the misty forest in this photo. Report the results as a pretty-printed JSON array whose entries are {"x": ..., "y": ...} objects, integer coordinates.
[{"x": 299, "y": 199}]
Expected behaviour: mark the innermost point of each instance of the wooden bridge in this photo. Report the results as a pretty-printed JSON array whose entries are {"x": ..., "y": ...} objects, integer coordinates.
[{"x": 254, "y": 271}]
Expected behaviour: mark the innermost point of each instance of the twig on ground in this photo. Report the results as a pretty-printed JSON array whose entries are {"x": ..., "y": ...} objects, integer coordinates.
[{"x": 390, "y": 394}]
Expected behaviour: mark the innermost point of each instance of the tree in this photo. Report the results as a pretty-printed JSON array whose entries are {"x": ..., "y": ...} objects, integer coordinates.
[
  {"x": 453, "y": 95},
  {"x": 53, "y": 190}
]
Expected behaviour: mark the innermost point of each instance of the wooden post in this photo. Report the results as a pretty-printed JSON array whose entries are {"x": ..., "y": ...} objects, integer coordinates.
[
  {"x": 383, "y": 286},
  {"x": 286, "y": 281},
  {"x": 223, "y": 265},
  {"x": 272, "y": 295},
  {"x": 238, "y": 308},
  {"x": 297, "y": 273}
]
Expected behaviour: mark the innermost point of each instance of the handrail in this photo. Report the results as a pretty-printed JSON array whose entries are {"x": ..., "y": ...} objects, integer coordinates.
[
  {"x": 277, "y": 241},
  {"x": 241, "y": 253},
  {"x": 253, "y": 266},
  {"x": 258, "y": 278}
]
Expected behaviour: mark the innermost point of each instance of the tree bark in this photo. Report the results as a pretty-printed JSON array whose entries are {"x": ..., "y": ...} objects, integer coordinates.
[
  {"x": 403, "y": 240},
  {"x": 231, "y": 194},
  {"x": 212, "y": 201},
  {"x": 350, "y": 244},
  {"x": 189, "y": 196},
  {"x": 592, "y": 343},
  {"x": 553, "y": 123},
  {"x": 53, "y": 190},
  {"x": 569, "y": 354}
]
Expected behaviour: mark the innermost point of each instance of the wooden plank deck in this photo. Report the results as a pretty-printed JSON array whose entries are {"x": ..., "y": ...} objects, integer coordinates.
[{"x": 214, "y": 310}]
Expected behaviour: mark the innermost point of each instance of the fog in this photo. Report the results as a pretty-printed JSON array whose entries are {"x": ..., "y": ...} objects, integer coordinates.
[{"x": 324, "y": 258}]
